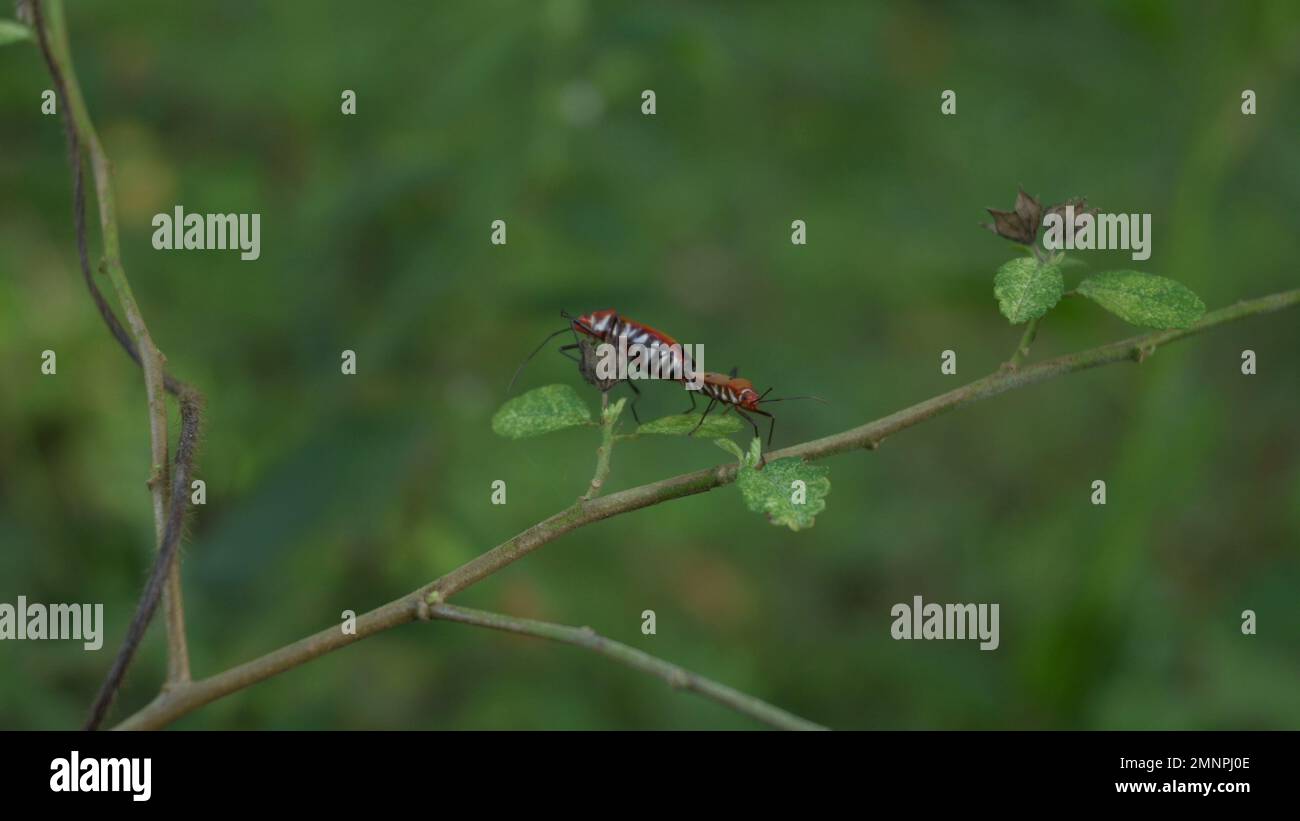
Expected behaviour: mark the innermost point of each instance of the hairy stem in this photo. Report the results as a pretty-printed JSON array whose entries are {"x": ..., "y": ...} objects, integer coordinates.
[
  {"x": 675, "y": 676},
  {"x": 171, "y": 705},
  {"x": 55, "y": 46},
  {"x": 190, "y": 411},
  {"x": 167, "y": 507}
]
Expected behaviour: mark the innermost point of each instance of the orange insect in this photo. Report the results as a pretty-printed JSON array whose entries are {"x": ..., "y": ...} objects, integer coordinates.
[{"x": 738, "y": 393}]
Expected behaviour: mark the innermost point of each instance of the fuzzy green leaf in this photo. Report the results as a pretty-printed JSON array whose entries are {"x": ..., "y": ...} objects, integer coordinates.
[
  {"x": 772, "y": 491},
  {"x": 680, "y": 425},
  {"x": 542, "y": 410},
  {"x": 1146, "y": 300},
  {"x": 13, "y": 32},
  {"x": 731, "y": 447},
  {"x": 1026, "y": 289}
]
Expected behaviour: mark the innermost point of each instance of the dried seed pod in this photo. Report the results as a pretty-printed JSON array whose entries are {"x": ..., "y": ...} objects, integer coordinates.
[
  {"x": 1018, "y": 225},
  {"x": 1080, "y": 208},
  {"x": 587, "y": 367}
]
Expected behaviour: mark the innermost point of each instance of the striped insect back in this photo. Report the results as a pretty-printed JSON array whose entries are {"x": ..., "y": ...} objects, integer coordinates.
[
  {"x": 668, "y": 359},
  {"x": 667, "y": 355},
  {"x": 659, "y": 355},
  {"x": 730, "y": 390},
  {"x": 597, "y": 324}
]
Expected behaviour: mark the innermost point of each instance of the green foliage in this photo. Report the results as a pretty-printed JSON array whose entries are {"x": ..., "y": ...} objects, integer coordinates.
[
  {"x": 771, "y": 490},
  {"x": 13, "y": 32},
  {"x": 1144, "y": 299},
  {"x": 731, "y": 447},
  {"x": 682, "y": 424},
  {"x": 1026, "y": 289},
  {"x": 542, "y": 410}
]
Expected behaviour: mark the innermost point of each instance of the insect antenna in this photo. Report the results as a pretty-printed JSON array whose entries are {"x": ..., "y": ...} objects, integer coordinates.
[
  {"x": 789, "y": 398},
  {"x": 564, "y": 330}
]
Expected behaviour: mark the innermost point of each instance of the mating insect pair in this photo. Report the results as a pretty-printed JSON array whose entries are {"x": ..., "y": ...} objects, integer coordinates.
[{"x": 735, "y": 392}]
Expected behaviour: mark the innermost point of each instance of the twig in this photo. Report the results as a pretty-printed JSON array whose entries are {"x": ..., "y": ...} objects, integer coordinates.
[
  {"x": 171, "y": 705},
  {"x": 139, "y": 346},
  {"x": 1022, "y": 349},
  {"x": 190, "y": 412},
  {"x": 675, "y": 676},
  {"x": 608, "y": 417}
]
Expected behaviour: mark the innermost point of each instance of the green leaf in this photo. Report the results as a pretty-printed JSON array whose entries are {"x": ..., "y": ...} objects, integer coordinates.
[
  {"x": 13, "y": 32},
  {"x": 1026, "y": 289},
  {"x": 1144, "y": 299},
  {"x": 772, "y": 491},
  {"x": 554, "y": 407},
  {"x": 731, "y": 447},
  {"x": 680, "y": 425}
]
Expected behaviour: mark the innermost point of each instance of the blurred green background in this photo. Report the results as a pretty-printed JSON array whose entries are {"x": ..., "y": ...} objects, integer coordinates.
[{"x": 328, "y": 492}]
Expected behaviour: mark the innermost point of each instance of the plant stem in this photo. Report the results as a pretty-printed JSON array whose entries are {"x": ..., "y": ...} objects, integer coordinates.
[
  {"x": 166, "y": 562},
  {"x": 675, "y": 676},
  {"x": 608, "y": 416},
  {"x": 55, "y": 47},
  {"x": 171, "y": 705},
  {"x": 1022, "y": 349}
]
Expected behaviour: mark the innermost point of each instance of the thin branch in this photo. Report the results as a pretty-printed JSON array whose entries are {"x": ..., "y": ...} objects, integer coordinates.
[
  {"x": 1022, "y": 349},
  {"x": 676, "y": 677},
  {"x": 190, "y": 412},
  {"x": 606, "y": 448},
  {"x": 177, "y": 702},
  {"x": 167, "y": 508}
]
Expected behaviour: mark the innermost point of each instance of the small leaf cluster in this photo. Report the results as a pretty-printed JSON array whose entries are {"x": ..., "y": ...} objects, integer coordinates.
[{"x": 1028, "y": 287}]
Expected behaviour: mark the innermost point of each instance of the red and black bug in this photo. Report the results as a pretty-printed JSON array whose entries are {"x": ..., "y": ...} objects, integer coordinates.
[
  {"x": 738, "y": 393},
  {"x": 608, "y": 326}
]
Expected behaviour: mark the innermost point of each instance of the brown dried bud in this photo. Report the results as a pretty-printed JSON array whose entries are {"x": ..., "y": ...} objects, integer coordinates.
[
  {"x": 587, "y": 367},
  {"x": 1080, "y": 208},
  {"x": 1021, "y": 224}
]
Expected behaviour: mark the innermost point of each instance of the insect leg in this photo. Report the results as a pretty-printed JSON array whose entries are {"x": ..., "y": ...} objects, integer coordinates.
[
  {"x": 635, "y": 399},
  {"x": 751, "y": 422},
  {"x": 771, "y": 428},
  {"x": 712, "y": 402}
]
